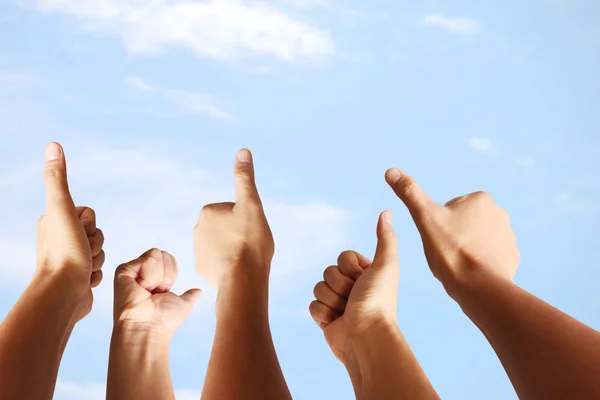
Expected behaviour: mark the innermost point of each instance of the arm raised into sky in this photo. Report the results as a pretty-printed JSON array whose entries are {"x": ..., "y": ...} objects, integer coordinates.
[
  {"x": 234, "y": 247},
  {"x": 472, "y": 250},
  {"x": 146, "y": 316},
  {"x": 356, "y": 306},
  {"x": 69, "y": 260}
]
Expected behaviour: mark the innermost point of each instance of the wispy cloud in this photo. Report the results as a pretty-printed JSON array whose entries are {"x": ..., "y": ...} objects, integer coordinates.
[
  {"x": 307, "y": 3},
  {"x": 138, "y": 83},
  {"x": 481, "y": 144},
  {"x": 463, "y": 25},
  {"x": 525, "y": 162},
  {"x": 307, "y": 234},
  {"x": 218, "y": 29},
  {"x": 186, "y": 101},
  {"x": 196, "y": 103}
]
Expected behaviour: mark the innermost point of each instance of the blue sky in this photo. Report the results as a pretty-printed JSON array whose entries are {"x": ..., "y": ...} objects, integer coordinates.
[{"x": 151, "y": 99}]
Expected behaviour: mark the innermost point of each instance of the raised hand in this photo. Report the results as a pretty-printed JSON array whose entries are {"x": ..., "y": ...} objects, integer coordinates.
[
  {"x": 356, "y": 306},
  {"x": 69, "y": 244},
  {"x": 469, "y": 236},
  {"x": 33, "y": 336},
  {"x": 234, "y": 247},
  {"x": 233, "y": 241},
  {"x": 358, "y": 293},
  {"x": 143, "y": 297},
  {"x": 146, "y": 315}
]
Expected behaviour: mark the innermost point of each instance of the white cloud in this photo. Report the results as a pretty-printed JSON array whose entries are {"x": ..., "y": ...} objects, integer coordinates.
[
  {"x": 481, "y": 144},
  {"x": 463, "y": 26},
  {"x": 196, "y": 103},
  {"x": 148, "y": 197},
  {"x": 138, "y": 83},
  {"x": 218, "y": 29},
  {"x": 187, "y": 102},
  {"x": 97, "y": 391},
  {"x": 307, "y": 3}
]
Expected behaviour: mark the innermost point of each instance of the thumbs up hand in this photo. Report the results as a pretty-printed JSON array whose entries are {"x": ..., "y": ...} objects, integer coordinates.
[
  {"x": 233, "y": 241},
  {"x": 69, "y": 245},
  {"x": 468, "y": 238},
  {"x": 357, "y": 293}
]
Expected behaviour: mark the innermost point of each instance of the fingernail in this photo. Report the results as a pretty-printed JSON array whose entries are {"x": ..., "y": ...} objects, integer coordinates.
[
  {"x": 395, "y": 175},
  {"x": 387, "y": 217},
  {"x": 244, "y": 156},
  {"x": 53, "y": 152}
]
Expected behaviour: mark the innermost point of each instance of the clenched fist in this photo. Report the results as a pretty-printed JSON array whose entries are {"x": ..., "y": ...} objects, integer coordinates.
[
  {"x": 69, "y": 245},
  {"x": 143, "y": 298},
  {"x": 233, "y": 240},
  {"x": 358, "y": 293},
  {"x": 468, "y": 236}
]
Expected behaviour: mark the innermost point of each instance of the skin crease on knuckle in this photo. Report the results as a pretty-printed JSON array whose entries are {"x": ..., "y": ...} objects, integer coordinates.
[{"x": 53, "y": 173}]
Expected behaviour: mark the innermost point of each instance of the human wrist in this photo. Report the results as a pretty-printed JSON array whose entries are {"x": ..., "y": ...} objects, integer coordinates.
[
  {"x": 55, "y": 288},
  {"x": 141, "y": 341},
  {"x": 68, "y": 278},
  {"x": 481, "y": 287},
  {"x": 245, "y": 287},
  {"x": 245, "y": 272},
  {"x": 367, "y": 334},
  {"x": 464, "y": 282}
]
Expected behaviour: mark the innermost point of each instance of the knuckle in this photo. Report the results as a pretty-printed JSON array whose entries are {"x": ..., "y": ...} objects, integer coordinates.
[
  {"x": 120, "y": 270},
  {"x": 346, "y": 256},
  {"x": 330, "y": 273},
  {"x": 318, "y": 290},
  {"x": 53, "y": 172},
  {"x": 244, "y": 174},
  {"x": 155, "y": 255},
  {"x": 482, "y": 196},
  {"x": 405, "y": 189},
  {"x": 314, "y": 308},
  {"x": 97, "y": 237},
  {"x": 88, "y": 213},
  {"x": 456, "y": 200},
  {"x": 205, "y": 210}
]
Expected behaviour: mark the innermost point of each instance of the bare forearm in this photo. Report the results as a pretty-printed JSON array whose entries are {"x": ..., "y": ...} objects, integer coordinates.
[
  {"x": 388, "y": 367},
  {"x": 546, "y": 353},
  {"x": 139, "y": 366},
  {"x": 355, "y": 374},
  {"x": 243, "y": 363},
  {"x": 32, "y": 341}
]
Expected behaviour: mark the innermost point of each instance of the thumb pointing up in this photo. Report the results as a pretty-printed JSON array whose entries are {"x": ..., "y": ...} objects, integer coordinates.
[
  {"x": 245, "y": 183},
  {"x": 58, "y": 197},
  {"x": 387, "y": 244}
]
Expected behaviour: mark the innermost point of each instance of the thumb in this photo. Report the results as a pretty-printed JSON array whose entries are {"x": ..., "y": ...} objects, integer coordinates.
[
  {"x": 412, "y": 195},
  {"x": 387, "y": 244},
  {"x": 191, "y": 297},
  {"x": 245, "y": 185},
  {"x": 58, "y": 197}
]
